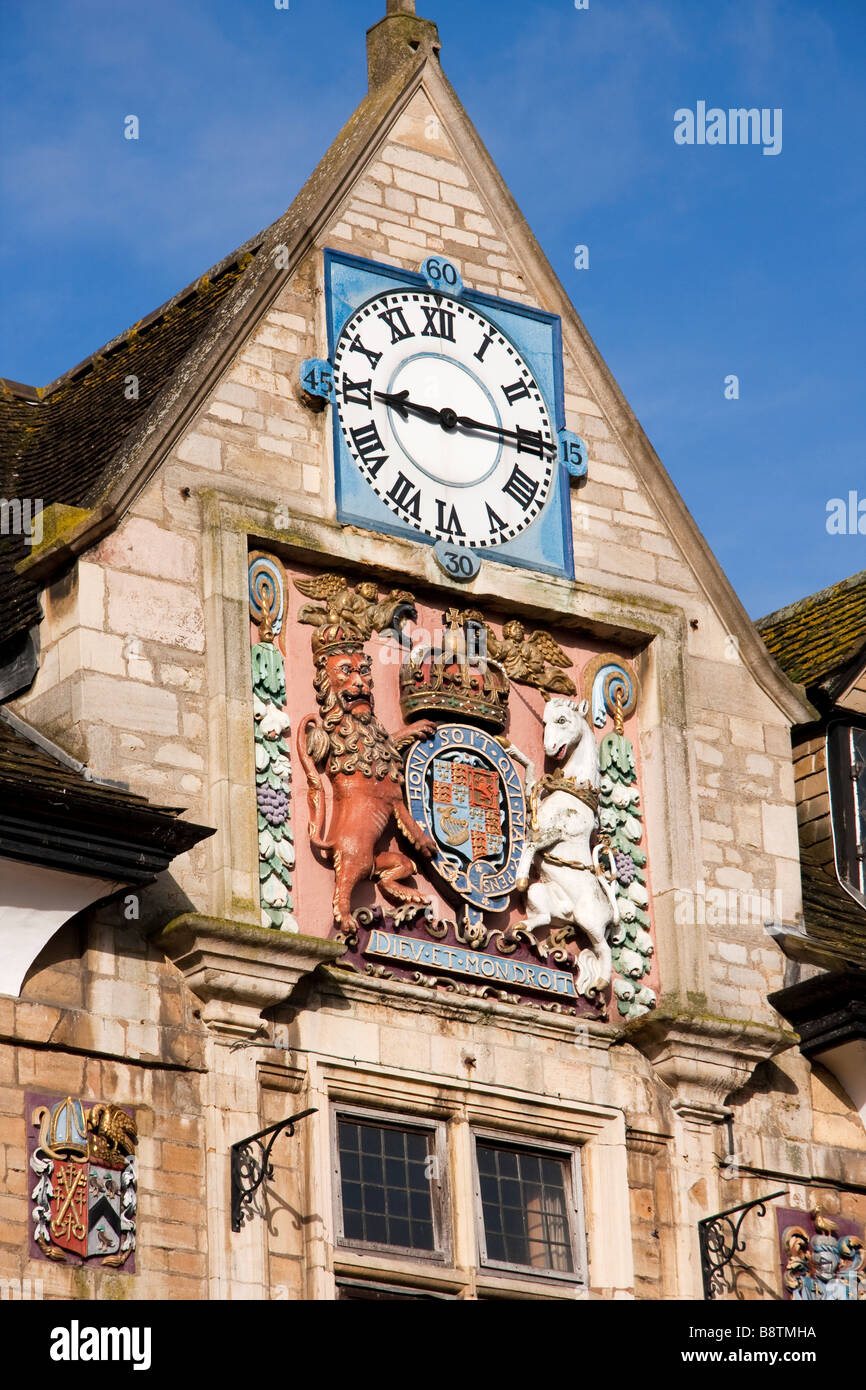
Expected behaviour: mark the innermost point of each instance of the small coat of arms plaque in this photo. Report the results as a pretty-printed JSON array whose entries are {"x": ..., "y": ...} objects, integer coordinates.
[{"x": 82, "y": 1157}]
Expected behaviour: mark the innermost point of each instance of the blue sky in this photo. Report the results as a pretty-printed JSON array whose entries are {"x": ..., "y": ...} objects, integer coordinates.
[{"x": 704, "y": 261}]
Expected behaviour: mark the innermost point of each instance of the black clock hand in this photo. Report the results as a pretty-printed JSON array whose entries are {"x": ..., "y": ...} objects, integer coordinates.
[
  {"x": 467, "y": 424},
  {"x": 402, "y": 404},
  {"x": 448, "y": 419}
]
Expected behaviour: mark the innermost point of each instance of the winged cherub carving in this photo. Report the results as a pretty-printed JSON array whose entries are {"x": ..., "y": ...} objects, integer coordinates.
[
  {"x": 534, "y": 660},
  {"x": 359, "y": 607}
]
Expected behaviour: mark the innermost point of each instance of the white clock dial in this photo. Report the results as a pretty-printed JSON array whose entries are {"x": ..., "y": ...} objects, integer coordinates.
[{"x": 444, "y": 418}]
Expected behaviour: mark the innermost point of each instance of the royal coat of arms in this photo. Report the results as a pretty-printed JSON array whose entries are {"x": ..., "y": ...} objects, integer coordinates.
[
  {"x": 446, "y": 793},
  {"x": 85, "y": 1196},
  {"x": 464, "y": 789}
]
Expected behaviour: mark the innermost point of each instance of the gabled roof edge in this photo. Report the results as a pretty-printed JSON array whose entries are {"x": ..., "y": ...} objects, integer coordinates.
[
  {"x": 790, "y": 698},
  {"x": 790, "y": 610},
  {"x": 53, "y": 750},
  {"x": 139, "y": 457}
]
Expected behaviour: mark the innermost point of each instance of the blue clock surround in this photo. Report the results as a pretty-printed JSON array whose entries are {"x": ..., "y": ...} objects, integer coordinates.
[{"x": 546, "y": 545}]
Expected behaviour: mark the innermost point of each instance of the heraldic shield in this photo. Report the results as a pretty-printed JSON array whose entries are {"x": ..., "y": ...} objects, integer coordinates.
[
  {"x": 464, "y": 789},
  {"x": 84, "y": 1201}
]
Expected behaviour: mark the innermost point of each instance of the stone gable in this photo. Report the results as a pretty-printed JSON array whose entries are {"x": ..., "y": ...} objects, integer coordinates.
[{"x": 126, "y": 679}]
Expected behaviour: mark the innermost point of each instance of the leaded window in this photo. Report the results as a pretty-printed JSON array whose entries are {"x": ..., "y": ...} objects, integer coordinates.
[
  {"x": 389, "y": 1193},
  {"x": 846, "y": 750},
  {"x": 529, "y": 1208}
]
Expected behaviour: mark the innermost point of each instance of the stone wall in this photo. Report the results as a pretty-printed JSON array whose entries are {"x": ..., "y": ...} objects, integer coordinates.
[
  {"x": 854, "y": 698},
  {"x": 124, "y": 676},
  {"x": 103, "y": 1017}
]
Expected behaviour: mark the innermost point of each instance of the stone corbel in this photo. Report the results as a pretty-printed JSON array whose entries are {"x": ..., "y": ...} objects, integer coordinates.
[
  {"x": 703, "y": 1059},
  {"x": 650, "y": 1142},
  {"x": 238, "y": 971}
]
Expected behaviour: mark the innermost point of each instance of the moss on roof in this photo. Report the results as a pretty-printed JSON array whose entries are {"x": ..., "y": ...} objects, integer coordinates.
[
  {"x": 832, "y": 918},
  {"x": 56, "y": 442},
  {"x": 63, "y": 443},
  {"x": 818, "y": 637},
  {"x": 52, "y": 811}
]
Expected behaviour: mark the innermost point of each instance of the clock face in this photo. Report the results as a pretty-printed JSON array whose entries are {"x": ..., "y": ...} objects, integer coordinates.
[{"x": 444, "y": 418}]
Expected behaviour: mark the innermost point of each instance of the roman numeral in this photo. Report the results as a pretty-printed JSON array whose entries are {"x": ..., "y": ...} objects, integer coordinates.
[
  {"x": 496, "y": 522},
  {"x": 396, "y": 321},
  {"x": 439, "y": 323},
  {"x": 399, "y": 495},
  {"x": 485, "y": 344},
  {"x": 521, "y": 487},
  {"x": 517, "y": 392},
  {"x": 530, "y": 442},
  {"x": 357, "y": 392},
  {"x": 368, "y": 444},
  {"x": 452, "y": 525},
  {"x": 374, "y": 358}
]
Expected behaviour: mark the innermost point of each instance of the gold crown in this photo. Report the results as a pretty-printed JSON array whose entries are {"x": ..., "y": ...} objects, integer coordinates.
[
  {"x": 457, "y": 677},
  {"x": 336, "y": 637}
]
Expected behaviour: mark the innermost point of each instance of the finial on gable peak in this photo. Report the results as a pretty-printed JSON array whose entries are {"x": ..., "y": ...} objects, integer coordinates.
[{"x": 400, "y": 40}]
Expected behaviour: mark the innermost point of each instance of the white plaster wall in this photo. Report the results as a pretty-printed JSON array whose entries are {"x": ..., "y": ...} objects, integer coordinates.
[{"x": 34, "y": 904}]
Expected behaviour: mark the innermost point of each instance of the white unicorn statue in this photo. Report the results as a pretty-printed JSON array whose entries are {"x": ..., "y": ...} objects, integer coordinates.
[{"x": 572, "y": 889}]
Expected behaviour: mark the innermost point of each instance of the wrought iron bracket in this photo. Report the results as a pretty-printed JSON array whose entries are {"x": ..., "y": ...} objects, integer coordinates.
[
  {"x": 720, "y": 1241},
  {"x": 249, "y": 1170}
]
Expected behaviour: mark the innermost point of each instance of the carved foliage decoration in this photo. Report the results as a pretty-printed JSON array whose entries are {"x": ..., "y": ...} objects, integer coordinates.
[
  {"x": 272, "y": 748},
  {"x": 85, "y": 1194},
  {"x": 614, "y": 695}
]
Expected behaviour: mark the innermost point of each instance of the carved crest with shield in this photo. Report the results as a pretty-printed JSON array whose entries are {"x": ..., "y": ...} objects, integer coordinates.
[
  {"x": 457, "y": 793},
  {"x": 84, "y": 1194}
]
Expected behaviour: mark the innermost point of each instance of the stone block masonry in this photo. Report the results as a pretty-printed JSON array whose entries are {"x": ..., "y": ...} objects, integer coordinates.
[
  {"x": 128, "y": 1036},
  {"x": 124, "y": 681}
]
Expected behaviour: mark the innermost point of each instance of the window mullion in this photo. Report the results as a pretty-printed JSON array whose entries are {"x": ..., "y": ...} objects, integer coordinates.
[{"x": 857, "y": 736}]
